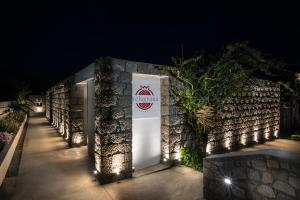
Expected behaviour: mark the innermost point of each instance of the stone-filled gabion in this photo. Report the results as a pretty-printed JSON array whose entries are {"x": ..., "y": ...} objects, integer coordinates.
[
  {"x": 113, "y": 142},
  {"x": 265, "y": 174},
  {"x": 64, "y": 109},
  {"x": 253, "y": 117},
  {"x": 48, "y": 105}
]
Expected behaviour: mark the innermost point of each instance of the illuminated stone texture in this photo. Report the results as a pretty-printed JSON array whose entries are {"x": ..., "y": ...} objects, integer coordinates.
[
  {"x": 249, "y": 118},
  {"x": 113, "y": 115},
  {"x": 48, "y": 106},
  {"x": 264, "y": 174},
  {"x": 113, "y": 123},
  {"x": 64, "y": 109},
  {"x": 253, "y": 117}
]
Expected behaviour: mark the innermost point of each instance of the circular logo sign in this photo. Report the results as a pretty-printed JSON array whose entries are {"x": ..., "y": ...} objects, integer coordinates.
[{"x": 144, "y": 92}]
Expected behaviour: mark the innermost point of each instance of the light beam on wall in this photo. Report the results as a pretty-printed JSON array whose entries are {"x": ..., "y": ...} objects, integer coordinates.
[
  {"x": 39, "y": 109},
  {"x": 208, "y": 148},
  {"x": 255, "y": 136}
]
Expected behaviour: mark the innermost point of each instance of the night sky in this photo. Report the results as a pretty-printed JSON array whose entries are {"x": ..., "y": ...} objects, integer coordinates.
[{"x": 42, "y": 44}]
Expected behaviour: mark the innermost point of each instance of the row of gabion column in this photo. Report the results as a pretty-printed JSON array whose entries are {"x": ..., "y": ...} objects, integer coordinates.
[{"x": 64, "y": 110}]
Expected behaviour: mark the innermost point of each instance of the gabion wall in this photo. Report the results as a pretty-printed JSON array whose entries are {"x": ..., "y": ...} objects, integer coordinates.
[
  {"x": 253, "y": 117},
  {"x": 64, "y": 109},
  {"x": 48, "y": 106},
  {"x": 113, "y": 142}
]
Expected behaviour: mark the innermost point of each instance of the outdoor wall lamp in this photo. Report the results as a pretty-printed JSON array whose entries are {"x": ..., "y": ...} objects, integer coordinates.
[{"x": 227, "y": 181}]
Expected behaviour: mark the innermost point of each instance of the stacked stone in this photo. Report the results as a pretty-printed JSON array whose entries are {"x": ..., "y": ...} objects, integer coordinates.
[
  {"x": 55, "y": 106},
  {"x": 250, "y": 118},
  {"x": 75, "y": 103},
  {"x": 58, "y": 108},
  {"x": 113, "y": 121},
  {"x": 65, "y": 101},
  {"x": 258, "y": 175},
  {"x": 165, "y": 129},
  {"x": 113, "y": 117},
  {"x": 48, "y": 106}
]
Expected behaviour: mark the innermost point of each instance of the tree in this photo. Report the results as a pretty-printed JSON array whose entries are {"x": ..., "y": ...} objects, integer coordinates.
[{"x": 22, "y": 104}]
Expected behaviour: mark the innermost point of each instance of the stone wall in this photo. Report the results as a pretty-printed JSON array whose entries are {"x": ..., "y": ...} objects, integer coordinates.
[
  {"x": 253, "y": 117},
  {"x": 48, "y": 106},
  {"x": 265, "y": 174},
  {"x": 64, "y": 109},
  {"x": 59, "y": 109},
  {"x": 113, "y": 118},
  {"x": 76, "y": 114}
]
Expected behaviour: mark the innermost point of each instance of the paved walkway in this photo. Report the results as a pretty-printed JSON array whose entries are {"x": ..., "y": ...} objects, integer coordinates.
[{"x": 50, "y": 170}]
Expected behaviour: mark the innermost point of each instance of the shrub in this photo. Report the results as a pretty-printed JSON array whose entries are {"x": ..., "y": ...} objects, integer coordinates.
[
  {"x": 16, "y": 116},
  {"x": 12, "y": 122},
  {"x": 5, "y": 137},
  {"x": 295, "y": 137},
  {"x": 191, "y": 158},
  {"x": 9, "y": 126}
]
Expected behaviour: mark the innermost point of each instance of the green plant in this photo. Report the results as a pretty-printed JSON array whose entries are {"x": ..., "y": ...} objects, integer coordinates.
[
  {"x": 16, "y": 116},
  {"x": 12, "y": 122},
  {"x": 295, "y": 137},
  {"x": 22, "y": 104},
  {"x": 208, "y": 79},
  {"x": 9, "y": 126},
  {"x": 191, "y": 159}
]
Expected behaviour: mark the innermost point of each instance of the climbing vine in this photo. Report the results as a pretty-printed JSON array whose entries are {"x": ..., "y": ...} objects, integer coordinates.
[{"x": 210, "y": 78}]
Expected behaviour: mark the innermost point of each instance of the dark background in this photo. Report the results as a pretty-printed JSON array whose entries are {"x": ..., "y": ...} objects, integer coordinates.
[{"x": 42, "y": 43}]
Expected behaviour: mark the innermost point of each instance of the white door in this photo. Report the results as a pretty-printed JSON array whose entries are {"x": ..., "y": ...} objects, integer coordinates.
[{"x": 146, "y": 120}]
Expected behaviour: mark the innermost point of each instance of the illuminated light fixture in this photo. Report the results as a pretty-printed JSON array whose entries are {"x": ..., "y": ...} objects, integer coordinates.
[
  {"x": 179, "y": 159},
  {"x": 118, "y": 172},
  {"x": 95, "y": 172},
  {"x": 227, "y": 181},
  {"x": 133, "y": 169},
  {"x": 165, "y": 160},
  {"x": 39, "y": 109}
]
